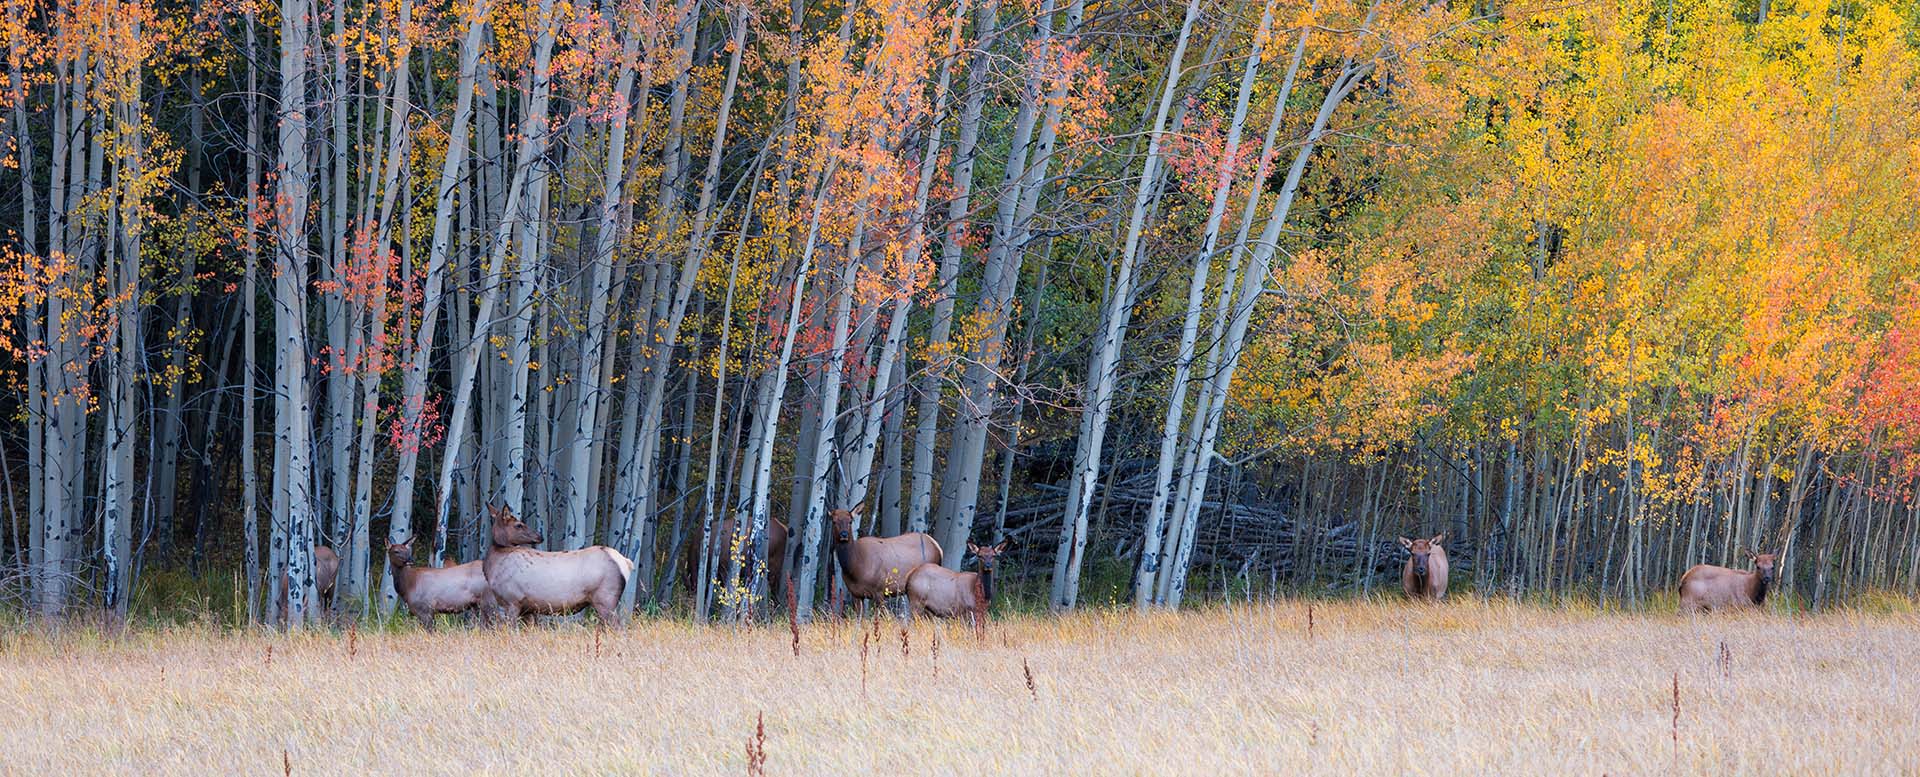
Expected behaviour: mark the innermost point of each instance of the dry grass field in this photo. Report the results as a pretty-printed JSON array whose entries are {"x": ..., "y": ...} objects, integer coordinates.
[{"x": 1377, "y": 688}]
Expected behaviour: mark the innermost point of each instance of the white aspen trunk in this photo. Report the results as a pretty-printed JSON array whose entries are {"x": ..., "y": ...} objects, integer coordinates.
[
  {"x": 293, "y": 420},
  {"x": 940, "y": 334},
  {"x": 710, "y": 496},
  {"x": 354, "y": 580},
  {"x": 857, "y": 480},
  {"x": 22, "y": 136},
  {"x": 828, "y": 420},
  {"x": 637, "y": 512},
  {"x": 117, "y": 486},
  {"x": 1173, "y": 576},
  {"x": 414, "y": 378},
  {"x": 966, "y": 451},
  {"x": 1146, "y": 571},
  {"x": 753, "y": 511},
  {"x": 51, "y": 532},
  {"x": 585, "y": 432},
  {"x": 1106, "y": 349},
  {"x": 893, "y": 438},
  {"x": 528, "y": 212},
  {"x": 341, "y": 319},
  {"x": 249, "y": 292}
]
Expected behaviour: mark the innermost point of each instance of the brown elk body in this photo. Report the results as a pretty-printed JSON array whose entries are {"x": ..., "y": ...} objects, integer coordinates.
[
  {"x": 723, "y": 540},
  {"x": 875, "y": 568},
  {"x": 1424, "y": 576},
  {"x": 326, "y": 567},
  {"x": 1708, "y": 587},
  {"x": 937, "y": 590},
  {"x": 525, "y": 582},
  {"x": 429, "y": 591}
]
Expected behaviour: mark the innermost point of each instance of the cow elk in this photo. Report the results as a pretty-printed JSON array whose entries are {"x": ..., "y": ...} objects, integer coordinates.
[
  {"x": 326, "y": 567},
  {"x": 877, "y": 567},
  {"x": 525, "y": 582},
  {"x": 1424, "y": 576},
  {"x": 429, "y": 591},
  {"x": 1708, "y": 587},
  {"x": 723, "y": 555},
  {"x": 940, "y": 591}
]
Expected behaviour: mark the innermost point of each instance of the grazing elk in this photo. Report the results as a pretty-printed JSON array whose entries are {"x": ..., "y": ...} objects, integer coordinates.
[
  {"x": 935, "y": 589},
  {"x": 326, "y": 567},
  {"x": 429, "y": 591},
  {"x": 1424, "y": 576},
  {"x": 877, "y": 567},
  {"x": 525, "y": 582},
  {"x": 1707, "y": 587},
  {"x": 723, "y": 539}
]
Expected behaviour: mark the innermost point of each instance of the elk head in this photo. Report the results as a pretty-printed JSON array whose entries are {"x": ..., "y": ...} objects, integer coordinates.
[
  {"x": 509, "y": 531},
  {"x": 843, "y": 523},
  {"x": 988, "y": 554},
  {"x": 1763, "y": 564},
  {"x": 400, "y": 554},
  {"x": 1422, "y": 549}
]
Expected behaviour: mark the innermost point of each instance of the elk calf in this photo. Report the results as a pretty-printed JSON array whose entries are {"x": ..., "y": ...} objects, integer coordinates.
[
  {"x": 429, "y": 591},
  {"x": 1424, "y": 576},
  {"x": 935, "y": 589},
  {"x": 877, "y": 567},
  {"x": 1707, "y": 587},
  {"x": 525, "y": 582}
]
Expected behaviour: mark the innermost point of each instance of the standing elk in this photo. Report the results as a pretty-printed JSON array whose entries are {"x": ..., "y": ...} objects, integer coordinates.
[
  {"x": 429, "y": 591},
  {"x": 877, "y": 567},
  {"x": 326, "y": 567},
  {"x": 935, "y": 589},
  {"x": 1424, "y": 576},
  {"x": 1707, "y": 587},
  {"x": 723, "y": 555},
  {"x": 525, "y": 582}
]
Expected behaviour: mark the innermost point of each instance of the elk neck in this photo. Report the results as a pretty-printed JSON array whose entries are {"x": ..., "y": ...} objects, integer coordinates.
[
  {"x": 1757, "y": 587},
  {"x": 402, "y": 578},
  {"x": 842, "y": 552}
]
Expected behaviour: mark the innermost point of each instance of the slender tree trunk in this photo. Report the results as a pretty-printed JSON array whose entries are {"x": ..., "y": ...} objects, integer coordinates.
[
  {"x": 413, "y": 389},
  {"x": 292, "y": 417},
  {"x": 1106, "y": 348},
  {"x": 966, "y": 145}
]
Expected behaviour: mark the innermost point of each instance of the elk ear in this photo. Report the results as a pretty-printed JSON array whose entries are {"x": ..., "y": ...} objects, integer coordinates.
[
  {"x": 1439, "y": 538},
  {"x": 1749, "y": 554},
  {"x": 974, "y": 549},
  {"x": 857, "y": 509},
  {"x": 1406, "y": 543},
  {"x": 1002, "y": 547}
]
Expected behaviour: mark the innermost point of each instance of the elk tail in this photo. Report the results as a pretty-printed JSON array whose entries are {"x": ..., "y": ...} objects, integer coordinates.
[{"x": 625, "y": 564}]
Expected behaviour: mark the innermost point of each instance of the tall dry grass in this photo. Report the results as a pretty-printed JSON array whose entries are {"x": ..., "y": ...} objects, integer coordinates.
[{"x": 1380, "y": 688}]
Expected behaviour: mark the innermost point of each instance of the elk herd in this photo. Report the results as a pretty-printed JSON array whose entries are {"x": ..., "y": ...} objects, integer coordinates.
[{"x": 517, "y": 580}]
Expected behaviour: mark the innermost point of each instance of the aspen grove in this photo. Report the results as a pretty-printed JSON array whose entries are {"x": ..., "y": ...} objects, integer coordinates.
[{"x": 1180, "y": 299}]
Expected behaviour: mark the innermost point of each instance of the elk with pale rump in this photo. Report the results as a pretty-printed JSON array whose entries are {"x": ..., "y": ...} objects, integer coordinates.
[
  {"x": 429, "y": 591},
  {"x": 525, "y": 582},
  {"x": 935, "y": 589},
  {"x": 877, "y": 567},
  {"x": 1708, "y": 587},
  {"x": 1424, "y": 576}
]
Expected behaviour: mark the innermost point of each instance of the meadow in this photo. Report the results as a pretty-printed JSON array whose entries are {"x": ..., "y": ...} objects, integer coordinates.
[{"x": 1294, "y": 687}]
